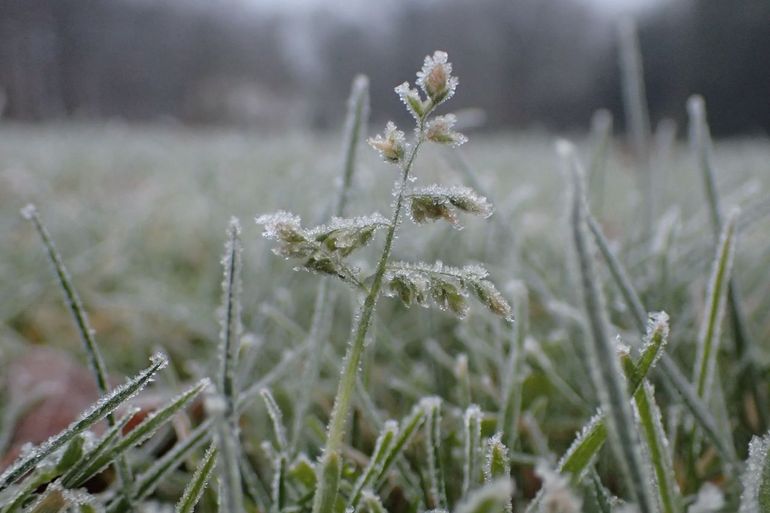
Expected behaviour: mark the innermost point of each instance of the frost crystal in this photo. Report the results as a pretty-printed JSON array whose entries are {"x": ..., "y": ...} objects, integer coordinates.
[
  {"x": 391, "y": 146},
  {"x": 439, "y": 130},
  {"x": 756, "y": 478},
  {"x": 435, "y": 77},
  {"x": 29, "y": 211}
]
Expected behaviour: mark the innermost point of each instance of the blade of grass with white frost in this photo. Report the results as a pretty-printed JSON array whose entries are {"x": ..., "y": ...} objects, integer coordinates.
[
  {"x": 384, "y": 442},
  {"x": 744, "y": 344},
  {"x": 405, "y": 432},
  {"x": 601, "y": 134},
  {"x": 437, "y": 491},
  {"x": 490, "y": 498},
  {"x": 276, "y": 417},
  {"x": 637, "y": 115},
  {"x": 142, "y": 432},
  {"x": 510, "y": 404},
  {"x": 756, "y": 478},
  {"x": 74, "y": 474},
  {"x": 87, "y": 333},
  {"x": 669, "y": 368},
  {"x": 607, "y": 374},
  {"x": 497, "y": 465},
  {"x": 88, "y": 418},
  {"x": 147, "y": 481},
  {"x": 194, "y": 489},
  {"x": 658, "y": 450},
  {"x": 716, "y": 297},
  {"x": 227, "y": 431},
  {"x": 355, "y": 123},
  {"x": 471, "y": 447}
]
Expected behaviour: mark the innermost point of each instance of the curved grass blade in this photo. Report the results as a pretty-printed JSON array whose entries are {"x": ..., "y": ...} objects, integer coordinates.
[
  {"x": 357, "y": 116},
  {"x": 471, "y": 447}
]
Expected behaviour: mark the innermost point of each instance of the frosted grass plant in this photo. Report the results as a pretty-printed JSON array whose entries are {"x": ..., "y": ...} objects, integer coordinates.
[{"x": 323, "y": 249}]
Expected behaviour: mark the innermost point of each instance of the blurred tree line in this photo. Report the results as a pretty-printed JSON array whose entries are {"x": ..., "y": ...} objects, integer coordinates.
[{"x": 526, "y": 63}]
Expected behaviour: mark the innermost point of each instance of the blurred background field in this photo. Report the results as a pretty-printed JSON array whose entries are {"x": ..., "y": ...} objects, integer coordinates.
[{"x": 138, "y": 128}]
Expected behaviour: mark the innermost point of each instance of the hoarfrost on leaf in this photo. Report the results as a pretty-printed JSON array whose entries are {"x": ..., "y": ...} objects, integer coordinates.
[
  {"x": 439, "y": 130},
  {"x": 435, "y": 77}
]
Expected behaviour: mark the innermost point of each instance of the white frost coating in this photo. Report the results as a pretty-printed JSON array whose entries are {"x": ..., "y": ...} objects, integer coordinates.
[
  {"x": 461, "y": 197},
  {"x": 29, "y": 211},
  {"x": 440, "y": 130},
  {"x": 279, "y": 223},
  {"x": 375, "y": 221},
  {"x": 756, "y": 475},
  {"x": 657, "y": 326},
  {"x": 557, "y": 496},
  {"x": 710, "y": 499},
  {"x": 435, "y": 78}
]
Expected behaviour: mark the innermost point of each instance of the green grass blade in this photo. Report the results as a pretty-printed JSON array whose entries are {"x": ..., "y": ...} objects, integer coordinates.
[
  {"x": 606, "y": 371},
  {"x": 716, "y": 297},
  {"x": 276, "y": 417},
  {"x": 147, "y": 481},
  {"x": 92, "y": 415},
  {"x": 328, "y": 482},
  {"x": 745, "y": 346},
  {"x": 437, "y": 489},
  {"x": 75, "y": 474},
  {"x": 355, "y": 123},
  {"x": 406, "y": 430},
  {"x": 658, "y": 450},
  {"x": 497, "y": 465},
  {"x": 379, "y": 456},
  {"x": 510, "y": 404},
  {"x": 471, "y": 447},
  {"x": 230, "y": 335},
  {"x": 194, "y": 489}
]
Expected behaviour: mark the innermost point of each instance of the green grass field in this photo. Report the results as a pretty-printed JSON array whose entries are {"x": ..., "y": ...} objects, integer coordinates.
[{"x": 140, "y": 214}]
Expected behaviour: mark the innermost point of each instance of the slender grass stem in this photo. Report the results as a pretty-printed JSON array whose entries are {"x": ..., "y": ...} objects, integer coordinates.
[
  {"x": 324, "y": 301},
  {"x": 93, "y": 354}
]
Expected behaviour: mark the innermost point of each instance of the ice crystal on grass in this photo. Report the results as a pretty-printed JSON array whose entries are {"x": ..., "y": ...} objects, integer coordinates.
[
  {"x": 756, "y": 478},
  {"x": 411, "y": 98}
]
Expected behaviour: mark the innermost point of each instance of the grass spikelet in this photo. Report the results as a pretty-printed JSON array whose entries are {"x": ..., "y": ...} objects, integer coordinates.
[{"x": 605, "y": 367}]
